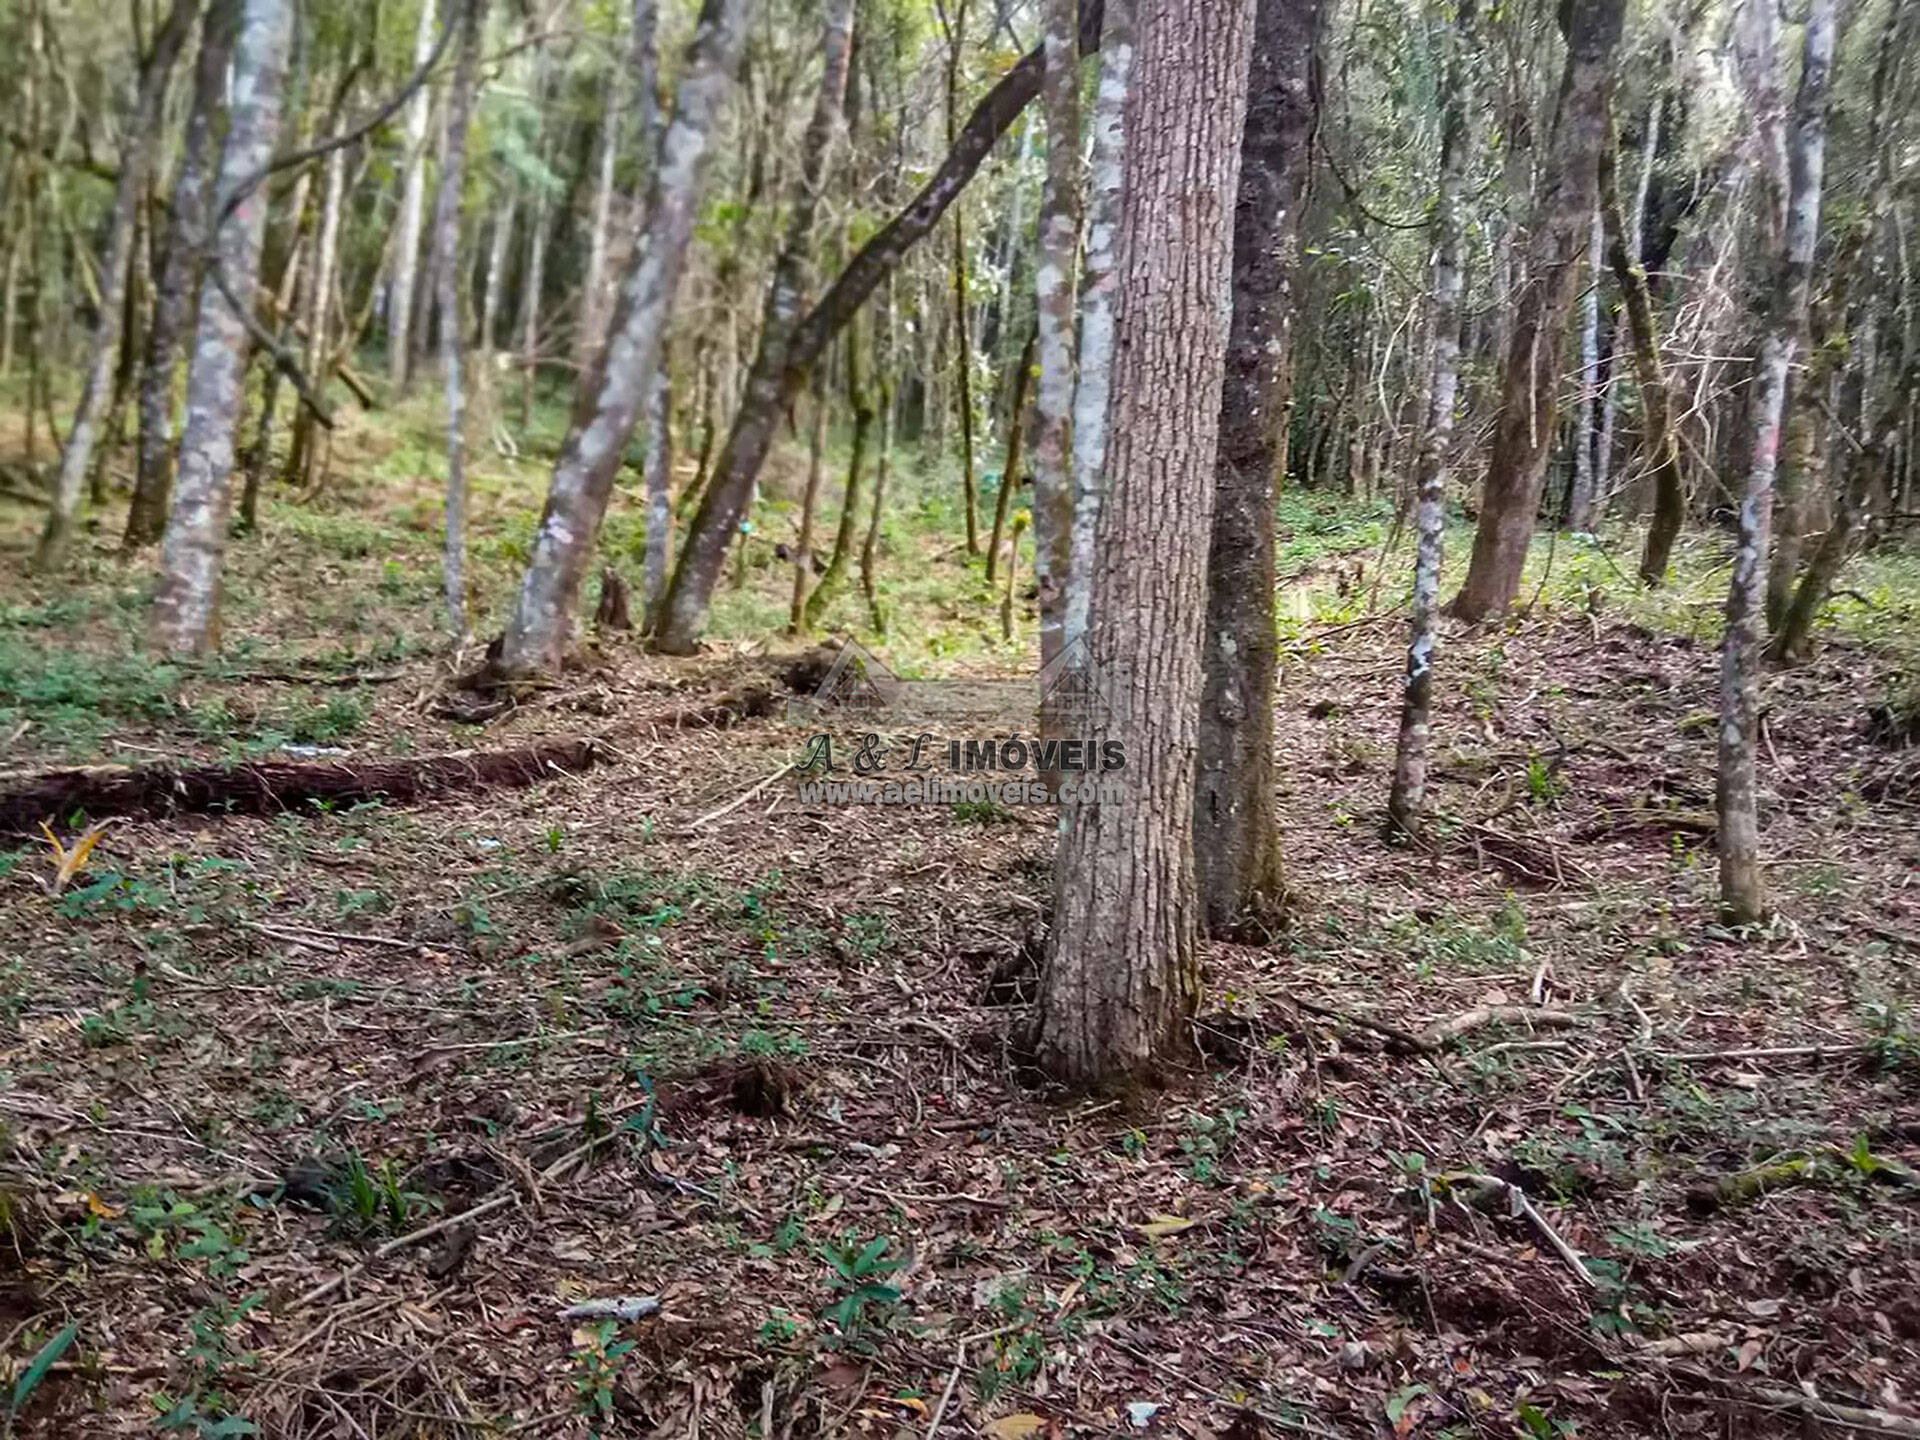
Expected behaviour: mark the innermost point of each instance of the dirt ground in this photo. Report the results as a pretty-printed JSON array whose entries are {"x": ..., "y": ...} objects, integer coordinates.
[{"x": 320, "y": 1122}]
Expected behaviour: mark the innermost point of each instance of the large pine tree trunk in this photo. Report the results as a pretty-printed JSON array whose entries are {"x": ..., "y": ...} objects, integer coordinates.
[
  {"x": 96, "y": 385},
  {"x": 453, "y": 330},
  {"x": 186, "y": 605},
  {"x": 537, "y": 635},
  {"x": 1054, "y": 272},
  {"x": 413, "y": 202},
  {"x": 1406, "y": 801},
  {"x": 724, "y": 503},
  {"x": 1742, "y": 887},
  {"x": 179, "y": 276},
  {"x": 1236, "y": 832},
  {"x": 1558, "y": 239},
  {"x": 1099, "y": 268},
  {"x": 725, "y": 498},
  {"x": 1122, "y": 969}
]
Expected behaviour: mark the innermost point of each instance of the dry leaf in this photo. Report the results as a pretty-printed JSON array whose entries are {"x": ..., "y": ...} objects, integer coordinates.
[
  {"x": 1015, "y": 1427},
  {"x": 69, "y": 863},
  {"x": 1161, "y": 1226}
]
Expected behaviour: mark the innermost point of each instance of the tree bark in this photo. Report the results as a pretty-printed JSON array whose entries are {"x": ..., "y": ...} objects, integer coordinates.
[
  {"x": 724, "y": 503},
  {"x": 1055, "y": 269},
  {"x": 536, "y": 637},
  {"x": 453, "y": 329},
  {"x": 1236, "y": 831},
  {"x": 1558, "y": 237},
  {"x": 833, "y": 579},
  {"x": 962, "y": 338},
  {"x": 1121, "y": 978},
  {"x": 724, "y": 500},
  {"x": 319, "y": 312},
  {"x": 186, "y": 605},
  {"x": 1016, "y": 432},
  {"x": 1742, "y": 887},
  {"x": 883, "y": 465},
  {"x": 179, "y": 276},
  {"x": 1406, "y": 801},
  {"x": 97, "y": 381},
  {"x": 1106, "y": 177},
  {"x": 1580, "y": 500},
  {"x": 1656, "y": 400},
  {"x": 413, "y": 199},
  {"x": 595, "y": 301}
]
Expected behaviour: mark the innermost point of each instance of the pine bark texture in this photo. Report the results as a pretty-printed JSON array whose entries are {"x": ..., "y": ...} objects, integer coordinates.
[
  {"x": 1558, "y": 239},
  {"x": 453, "y": 329},
  {"x": 542, "y": 621},
  {"x": 1236, "y": 829},
  {"x": 1055, "y": 269},
  {"x": 1406, "y": 801},
  {"x": 1742, "y": 887},
  {"x": 173, "y": 290},
  {"x": 755, "y": 423},
  {"x": 96, "y": 385},
  {"x": 766, "y": 394},
  {"x": 186, "y": 604},
  {"x": 1121, "y": 976}
]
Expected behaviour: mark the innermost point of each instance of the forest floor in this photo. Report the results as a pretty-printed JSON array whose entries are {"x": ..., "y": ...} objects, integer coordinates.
[{"x": 323, "y": 1119}]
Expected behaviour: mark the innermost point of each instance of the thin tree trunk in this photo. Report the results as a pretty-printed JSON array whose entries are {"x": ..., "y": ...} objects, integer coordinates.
[
  {"x": 1098, "y": 284},
  {"x": 453, "y": 329},
  {"x": 1122, "y": 969},
  {"x": 833, "y": 578},
  {"x": 319, "y": 315},
  {"x": 1742, "y": 886},
  {"x": 413, "y": 200},
  {"x": 725, "y": 498},
  {"x": 1236, "y": 830},
  {"x": 1016, "y": 431},
  {"x": 1406, "y": 802},
  {"x": 1530, "y": 372},
  {"x": 1656, "y": 400},
  {"x": 883, "y": 467},
  {"x": 1580, "y": 502},
  {"x": 96, "y": 385},
  {"x": 1054, "y": 275},
  {"x": 803, "y": 548},
  {"x": 536, "y": 638},
  {"x": 595, "y": 299},
  {"x": 186, "y": 605},
  {"x": 530, "y": 307},
  {"x": 658, "y": 465},
  {"x": 729, "y": 492}
]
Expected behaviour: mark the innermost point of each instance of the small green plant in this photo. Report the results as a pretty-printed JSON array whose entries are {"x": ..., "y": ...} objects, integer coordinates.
[
  {"x": 859, "y": 1274},
  {"x": 597, "y": 1358},
  {"x": 981, "y": 812},
  {"x": 1544, "y": 785}
]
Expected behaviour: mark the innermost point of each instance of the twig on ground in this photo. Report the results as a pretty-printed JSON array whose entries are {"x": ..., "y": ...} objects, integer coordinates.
[
  {"x": 1526, "y": 1209},
  {"x": 625, "y": 1308},
  {"x": 1762, "y": 1052},
  {"x": 738, "y": 801},
  {"x": 1444, "y": 1032},
  {"x": 1406, "y": 1039},
  {"x": 946, "y": 1396}
]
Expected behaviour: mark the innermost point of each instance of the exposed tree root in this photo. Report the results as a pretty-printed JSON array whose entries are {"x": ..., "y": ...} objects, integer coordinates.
[{"x": 262, "y": 789}]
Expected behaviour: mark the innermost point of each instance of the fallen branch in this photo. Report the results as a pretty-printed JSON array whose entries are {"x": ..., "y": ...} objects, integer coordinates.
[
  {"x": 1763, "y": 1052},
  {"x": 739, "y": 800},
  {"x": 270, "y": 788},
  {"x": 1525, "y": 1208},
  {"x": 1405, "y": 1040},
  {"x": 1442, "y": 1033},
  {"x": 1858, "y": 1416}
]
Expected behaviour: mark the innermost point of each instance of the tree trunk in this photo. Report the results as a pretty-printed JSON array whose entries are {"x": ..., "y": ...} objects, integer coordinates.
[
  {"x": 1093, "y": 385},
  {"x": 1406, "y": 802},
  {"x": 883, "y": 466},
  {"x": 730, "y": 490},
  {"x": 1559, "y": 235},
  {"x": 1580, "y": 501},
  {"x": 1236, "y": 832},
  {"x": 179, "y": 277},
  {"x": 536, "y": 637},
  {"x": 1742, "y": 887},
  {"x": 1016, "y": 430},
  {"x": 725, "y": 498},
  {"x": 595, "y": 301},
  {"x": 453, "y": 329},
  {"x": 1656, "y": 401},
  {"x": 963, "y": 343},
  {"x": 97, "y": 381},
  {"x": 186, "y": 605},
  {"x": 1121, "y": 978},
  {"x": 833, "y": 578},
  {"x": 658, "y": 465},
  {"x": 803, "y": 547},
  {"x": 413, "y": 199},
  {"x": 1054, "y": 273},
  {"x": 319, "y": 311},
  {"x": 530, "y": 304}
]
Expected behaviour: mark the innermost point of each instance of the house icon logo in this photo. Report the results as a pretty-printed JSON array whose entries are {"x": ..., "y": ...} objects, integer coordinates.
[
  {"x": 858, "y": 687},
  {"x": 1076, "y": 697}
]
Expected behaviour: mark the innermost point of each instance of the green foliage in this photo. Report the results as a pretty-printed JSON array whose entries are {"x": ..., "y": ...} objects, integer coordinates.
[
  {"x": 597, "y": 1359},
  {"x": 858, "y": 1274}
]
